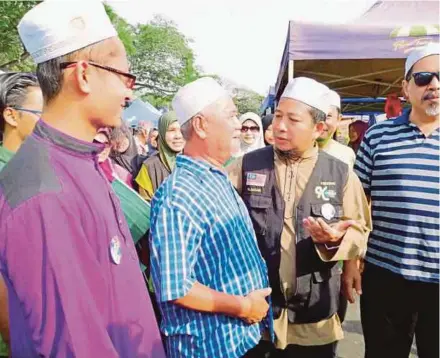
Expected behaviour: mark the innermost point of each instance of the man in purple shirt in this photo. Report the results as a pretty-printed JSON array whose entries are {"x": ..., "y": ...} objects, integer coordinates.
[{"x": 66, "y": 254}]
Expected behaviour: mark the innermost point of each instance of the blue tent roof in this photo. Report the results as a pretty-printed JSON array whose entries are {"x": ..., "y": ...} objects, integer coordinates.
[{"x": 141, "y": 111}]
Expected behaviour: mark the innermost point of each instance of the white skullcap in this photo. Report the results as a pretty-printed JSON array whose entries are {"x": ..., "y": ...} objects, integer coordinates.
[
  {"x": 308, "y": 91},
  {"x": 433, "y": 48},
  {"x": 55, "y": 28},
  {"x": 334, "y": 99},
  {"x": 195, "y": 96}
]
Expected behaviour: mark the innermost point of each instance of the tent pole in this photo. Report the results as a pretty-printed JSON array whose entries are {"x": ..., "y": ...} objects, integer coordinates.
[
  {"x": 399, "y": 79},
  {"x": 290, "y": 71}
]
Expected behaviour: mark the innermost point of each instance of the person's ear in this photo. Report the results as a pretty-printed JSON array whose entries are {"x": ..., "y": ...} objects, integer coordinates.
[
  {"x": 82, "y": 77},
  {"x": 11, "y": 116},
  {"x": 319, "y": 129},
  {"x": 199, "y": 124}
]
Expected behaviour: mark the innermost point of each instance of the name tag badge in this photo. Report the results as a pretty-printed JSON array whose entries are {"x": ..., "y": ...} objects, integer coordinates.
[
  {"x": 255, "y": 180},
  {"x": 328, "y": 211},
  {"x": 115, "y": 250}
]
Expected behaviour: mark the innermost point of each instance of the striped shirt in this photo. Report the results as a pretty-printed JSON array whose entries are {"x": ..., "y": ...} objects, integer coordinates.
[
  {"x": 201, "y": 232},
  {"x": 399, "y": 168}
]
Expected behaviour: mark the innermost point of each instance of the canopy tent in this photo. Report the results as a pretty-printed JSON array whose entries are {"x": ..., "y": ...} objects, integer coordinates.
[
  {"x": 364, "y": 58},
  {"x": 140, "y": 111}
]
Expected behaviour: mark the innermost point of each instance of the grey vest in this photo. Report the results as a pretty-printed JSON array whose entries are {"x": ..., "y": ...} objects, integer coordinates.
[{"x": 317, "y": 283}]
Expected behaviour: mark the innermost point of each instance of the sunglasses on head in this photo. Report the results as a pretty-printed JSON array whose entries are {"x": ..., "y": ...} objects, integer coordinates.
[
  {"x": 253, "y": 129},
  {"x": 424, "y": 78}
]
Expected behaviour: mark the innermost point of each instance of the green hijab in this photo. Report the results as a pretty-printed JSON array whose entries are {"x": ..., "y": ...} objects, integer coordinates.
[{"x": 167, "y": 155}]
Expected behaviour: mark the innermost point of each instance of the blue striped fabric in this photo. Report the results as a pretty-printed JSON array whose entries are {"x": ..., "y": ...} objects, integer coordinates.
[
  {"x": 399, "y": 168},
  {"x": 201, "y": 231}
]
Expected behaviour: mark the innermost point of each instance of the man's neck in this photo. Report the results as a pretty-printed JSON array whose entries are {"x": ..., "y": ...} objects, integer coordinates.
[
  {"x": 194, "y": 151},
  {"x": 426, "y": 124},
  {"x": 12, "y": 141},
  {"x": 69, "y": 120}
]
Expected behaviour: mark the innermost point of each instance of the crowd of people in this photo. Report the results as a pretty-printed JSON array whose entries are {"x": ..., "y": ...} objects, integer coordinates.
[{"x": 211, "y": 234}]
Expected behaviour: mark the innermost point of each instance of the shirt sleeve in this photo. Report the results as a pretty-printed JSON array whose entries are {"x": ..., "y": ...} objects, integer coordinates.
[
  {"x": 355, "y": 207},
  {"x": 51, "y": 278},
  {"x": 145, "y": 185},
  {"x": 235, "y": 173},
  {"x": 175, "y": 239},
  {"x": 364, "y": 164}
]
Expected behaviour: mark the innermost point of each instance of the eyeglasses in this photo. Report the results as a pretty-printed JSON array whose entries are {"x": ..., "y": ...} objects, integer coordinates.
[
  {"x": 37, "y": 113},
  {"x": 253, "y": 129},
  {"x": 131, "y": 79},
  {"x": 424, "y": 78}
]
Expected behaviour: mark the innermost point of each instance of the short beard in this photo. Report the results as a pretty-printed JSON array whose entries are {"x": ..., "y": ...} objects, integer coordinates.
[
  {"x": 433, "y": 110},
  {"x": 288, "y": 155}
]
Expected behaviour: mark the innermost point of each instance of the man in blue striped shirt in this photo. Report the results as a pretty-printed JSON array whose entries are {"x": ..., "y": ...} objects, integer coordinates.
[
  {"x": 398, "y": 164},
  {"x": 209, "y": 277}
]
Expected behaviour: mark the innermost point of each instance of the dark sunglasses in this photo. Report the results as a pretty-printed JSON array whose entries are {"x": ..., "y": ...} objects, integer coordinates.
[
  {"x": 424, "y": 78},
  {"x": 131, "y": 79},
  {"x": 38, "y": 113},
  {"x": 253, "y": 129}
]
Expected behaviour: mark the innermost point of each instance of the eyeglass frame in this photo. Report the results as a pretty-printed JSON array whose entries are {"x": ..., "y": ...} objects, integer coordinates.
[
  {"x": 33, "y": 111},
  {"x": 130, "y": 76}
]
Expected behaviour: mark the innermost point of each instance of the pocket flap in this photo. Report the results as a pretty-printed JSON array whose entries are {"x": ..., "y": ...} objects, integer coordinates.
[
  {"x": 259, "y": 201},
  {"x": 325, "y": 275}
]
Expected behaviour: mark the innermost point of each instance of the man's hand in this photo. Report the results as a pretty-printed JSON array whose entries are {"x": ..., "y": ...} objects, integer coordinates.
[
  {"x": 255, "y": 306},
  {"x": 323, "y": 233},
  {"x": 351, "y": 280}
]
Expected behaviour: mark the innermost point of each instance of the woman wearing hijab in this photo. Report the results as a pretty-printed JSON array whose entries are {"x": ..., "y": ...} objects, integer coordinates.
[
  {"x": 159, "y": 166},
  {"x": 124, "y": 148},
  {"x": 356, "y": 132},
  {"x": 251, "y": 133},
  {"x": 267, "y": 129}
]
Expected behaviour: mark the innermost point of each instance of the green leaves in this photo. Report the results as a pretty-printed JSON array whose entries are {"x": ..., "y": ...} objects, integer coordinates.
[{"x": 12, "y": 54}]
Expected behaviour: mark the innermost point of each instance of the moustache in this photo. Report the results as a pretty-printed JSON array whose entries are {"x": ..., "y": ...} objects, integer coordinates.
[{"x": 430, "y": 95}]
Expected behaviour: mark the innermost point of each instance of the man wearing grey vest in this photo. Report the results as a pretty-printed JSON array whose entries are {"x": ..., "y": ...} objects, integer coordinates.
[{"x": 309, "y": 211}]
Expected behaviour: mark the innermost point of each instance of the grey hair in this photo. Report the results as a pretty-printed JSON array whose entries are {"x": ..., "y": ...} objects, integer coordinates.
[
  {"x": 13, "y": 90},
  {"x": 187, "y": 129},
  {"x": 317, "y": 115}
]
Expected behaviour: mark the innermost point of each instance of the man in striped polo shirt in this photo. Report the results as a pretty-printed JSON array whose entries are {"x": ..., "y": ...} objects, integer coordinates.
[
  {"x": 398, "y": 164},
  {"x": 209, "y": 276}
]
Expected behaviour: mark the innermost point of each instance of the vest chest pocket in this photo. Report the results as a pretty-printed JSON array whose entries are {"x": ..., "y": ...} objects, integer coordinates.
[
  {"x": 329, "y": 212},
  {"x": 258, "y": 206}
]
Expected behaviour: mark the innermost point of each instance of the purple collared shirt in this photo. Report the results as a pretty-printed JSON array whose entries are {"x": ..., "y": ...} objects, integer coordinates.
[{"x": 68, "y": 295}]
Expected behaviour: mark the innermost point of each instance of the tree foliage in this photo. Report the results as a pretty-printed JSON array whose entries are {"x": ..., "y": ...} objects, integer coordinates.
[
  {"x": 163, "y": 60},
  {"x": 247, "y": 101},
  {"x": 12, "y": 53},
  {"x": 160, "y": 55}
]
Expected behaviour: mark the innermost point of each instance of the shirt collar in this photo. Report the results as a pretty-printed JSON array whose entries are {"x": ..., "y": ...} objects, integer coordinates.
[
  {"x": 46, "y": 132},
  {"x": 309, "y": 153},
  {"x": 196, "y": 165},
  {"x": 5, "y": 155},
  {"x": 404, "y": 118}
]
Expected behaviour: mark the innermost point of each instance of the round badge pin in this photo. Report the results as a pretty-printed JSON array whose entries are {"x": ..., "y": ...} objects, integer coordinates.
[
  {"x": 115, "y": 250},
  {"x": 328, "y": 211}
]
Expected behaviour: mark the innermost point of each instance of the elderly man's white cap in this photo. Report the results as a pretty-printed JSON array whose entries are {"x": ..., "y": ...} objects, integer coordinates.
[
  {"x": 195, "y": 96},
  {"x": 334, "y": 99},
  {"x": 433, "y": 48},
  {"x": 55, "y": 28},
  {"x": 308, "y": 91}
]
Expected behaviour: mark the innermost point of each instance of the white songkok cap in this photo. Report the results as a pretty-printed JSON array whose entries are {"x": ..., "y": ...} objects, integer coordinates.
[
  {"x": 195, "y": 96},
  {"x": 334, "y": 99},
  {"x": 308, "y": 91},
  {"x": 55, "y": 28},
  {"x": 433, "y": 48}
]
